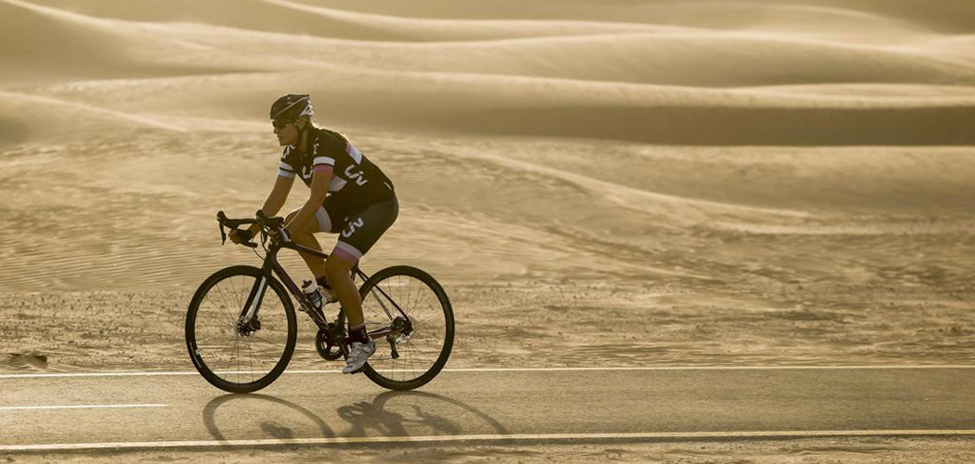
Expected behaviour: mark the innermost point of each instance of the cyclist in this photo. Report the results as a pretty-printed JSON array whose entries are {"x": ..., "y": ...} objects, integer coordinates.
[{"x": 349, "y": 196}]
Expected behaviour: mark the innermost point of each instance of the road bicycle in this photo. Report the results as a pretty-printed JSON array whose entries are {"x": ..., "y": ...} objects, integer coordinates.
[{"x": 241, "y": 337}]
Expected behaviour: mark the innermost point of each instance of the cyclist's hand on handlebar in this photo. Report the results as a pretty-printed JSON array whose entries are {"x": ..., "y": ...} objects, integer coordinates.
[{"x": 239, "y": 236}]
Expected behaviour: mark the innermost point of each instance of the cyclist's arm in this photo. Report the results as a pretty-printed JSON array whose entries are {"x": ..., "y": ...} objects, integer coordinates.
[
  {"x": 320, "y": 180},
  {"x": 275, "y": 200}
]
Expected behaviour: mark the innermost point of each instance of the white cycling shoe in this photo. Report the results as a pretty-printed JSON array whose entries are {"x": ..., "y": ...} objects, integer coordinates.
[
  {"x": 358, "y": 356},
  {"x": 328, "y": 295}
]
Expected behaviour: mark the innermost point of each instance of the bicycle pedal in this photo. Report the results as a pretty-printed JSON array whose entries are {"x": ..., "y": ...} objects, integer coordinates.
[{"x": 355, "y": 371}]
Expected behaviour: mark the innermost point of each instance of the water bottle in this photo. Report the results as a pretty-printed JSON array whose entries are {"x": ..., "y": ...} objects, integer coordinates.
[{"x": 310, "y": 288}]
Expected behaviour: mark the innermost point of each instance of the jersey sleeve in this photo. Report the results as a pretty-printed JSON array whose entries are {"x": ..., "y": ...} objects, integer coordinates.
[{"x": 286, "y": 168}]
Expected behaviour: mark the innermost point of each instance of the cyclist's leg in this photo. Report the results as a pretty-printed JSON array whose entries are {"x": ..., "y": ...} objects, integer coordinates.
[
  {"x": 360, "y": 233},
  {"x": 304, "y": 236}
]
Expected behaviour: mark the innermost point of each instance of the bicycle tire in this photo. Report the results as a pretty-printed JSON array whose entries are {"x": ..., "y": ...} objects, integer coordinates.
[
  {"x": 437, "y": 290},
  {"x": 215, "y": 378}
]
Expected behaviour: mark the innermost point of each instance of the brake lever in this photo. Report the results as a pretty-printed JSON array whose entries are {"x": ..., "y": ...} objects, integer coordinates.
[{"x": 223, "y": 233}]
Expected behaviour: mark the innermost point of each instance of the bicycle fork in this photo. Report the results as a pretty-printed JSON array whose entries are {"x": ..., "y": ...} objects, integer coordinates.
[
  {"x": 249, "y": 313},
  {"x": 248, "y": 321}
]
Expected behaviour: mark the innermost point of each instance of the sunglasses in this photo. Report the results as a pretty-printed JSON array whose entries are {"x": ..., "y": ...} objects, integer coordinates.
[{"x": 279, "y": 124}]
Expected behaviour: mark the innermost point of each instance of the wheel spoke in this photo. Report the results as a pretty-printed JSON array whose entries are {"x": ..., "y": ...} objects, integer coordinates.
[{"x": 230, "y": 315}]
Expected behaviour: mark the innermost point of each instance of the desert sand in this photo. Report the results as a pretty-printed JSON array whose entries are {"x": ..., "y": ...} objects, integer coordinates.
[{"x": 626, "y": 182}]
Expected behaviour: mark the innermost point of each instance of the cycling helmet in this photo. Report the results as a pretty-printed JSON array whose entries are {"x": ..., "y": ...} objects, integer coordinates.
[{"x": 291, "y": 107}]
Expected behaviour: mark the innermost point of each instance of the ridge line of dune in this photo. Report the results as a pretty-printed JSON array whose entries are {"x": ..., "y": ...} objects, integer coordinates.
[
  {"x": 924, "y": 62},
  {"x": 66, "y": 15},
  {"x": 661, "y": 95},
  {"x": 595, "y": 93},
  {"x": 858, "y": 225},
  {"x": 90, "y": 109},
  {"x": 49, "y": 10},
  {"x": 394, "y": 24},
  {"x": 919, "y": 58},
  {"x": 629, "y": 197},
  {"x": 702, "y": 34},
  {"x": 409, "y": 25},
  {"x": 408, "y": 22},
  {"x": 362, "y": 17},
  {"x": 833, "y": 10}
]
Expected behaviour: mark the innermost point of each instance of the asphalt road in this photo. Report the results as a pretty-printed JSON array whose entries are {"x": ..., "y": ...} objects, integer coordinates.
[{"x": 182, "y": 410}]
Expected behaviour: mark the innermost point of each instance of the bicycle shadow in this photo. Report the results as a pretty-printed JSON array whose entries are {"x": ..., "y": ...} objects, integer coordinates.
[
  {"x": 420, "y": 414},
  {"x": 271, "y": 428},
  {"x": 389, "y": 414}
]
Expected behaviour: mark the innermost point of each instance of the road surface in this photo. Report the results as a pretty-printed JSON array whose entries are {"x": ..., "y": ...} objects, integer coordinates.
[{"x": 181, "y": 410}]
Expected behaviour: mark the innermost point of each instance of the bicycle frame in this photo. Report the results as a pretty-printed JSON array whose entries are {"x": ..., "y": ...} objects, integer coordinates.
[{"x": 273, "y": 266}]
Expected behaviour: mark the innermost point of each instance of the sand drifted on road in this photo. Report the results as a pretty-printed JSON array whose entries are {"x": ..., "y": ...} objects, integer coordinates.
[
  {"x": 845, "y": 450},
  {"x": 637, "y": 183}
]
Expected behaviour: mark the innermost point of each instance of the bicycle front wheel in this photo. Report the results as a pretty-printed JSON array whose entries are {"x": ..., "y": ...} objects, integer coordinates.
[
  {"x": 412, "y": 310},
  {"x": 230, "y": 352}
]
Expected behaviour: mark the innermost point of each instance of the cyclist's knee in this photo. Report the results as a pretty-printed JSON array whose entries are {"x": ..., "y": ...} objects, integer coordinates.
[{"x": 337, "y": 266}]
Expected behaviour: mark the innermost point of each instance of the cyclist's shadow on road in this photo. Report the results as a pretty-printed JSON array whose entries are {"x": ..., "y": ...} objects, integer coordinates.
[{"x": 389, "y": 414}]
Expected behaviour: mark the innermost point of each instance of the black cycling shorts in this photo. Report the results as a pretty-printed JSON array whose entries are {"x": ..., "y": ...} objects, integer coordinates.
[{"x": 359, "y": 231}]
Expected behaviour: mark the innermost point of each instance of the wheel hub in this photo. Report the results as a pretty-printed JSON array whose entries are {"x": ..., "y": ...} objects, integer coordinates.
[
  {"x": 403, "y": 328},
  {"x": 247, "y": 329}
]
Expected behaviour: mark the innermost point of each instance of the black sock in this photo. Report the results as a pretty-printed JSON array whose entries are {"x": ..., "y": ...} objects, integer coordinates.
[
  {"x": 358, "y": 334},
  {"x": 323, "y": 282}
]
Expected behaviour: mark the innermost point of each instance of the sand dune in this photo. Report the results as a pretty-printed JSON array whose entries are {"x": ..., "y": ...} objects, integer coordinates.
[
  {"x": 79, "y": 116},
  {"x": 950, "y": 16},
  {"x": 244, "y": 14},
  {"x": 437, "y": 21},
  {"x": 33, "y": 48},
  {"x": 579, "y": 207},
  {"x": 33, "y": 41},
  {"x": 453, "y": 30},
  {"x": 757, "y": 84},
  {"x": 700, "y": 58},
  {"x": 617, "y": 10},
  {"x": 438, "y": 103},
  {"x": 672, "y": 181},
  {"x": 705, "y": 59},
  {"x": 481, "y": 101},
  {"x": 282, "y": 16}
]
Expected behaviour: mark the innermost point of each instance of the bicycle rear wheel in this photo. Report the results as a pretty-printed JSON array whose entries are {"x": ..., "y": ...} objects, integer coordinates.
[
  {"x": 232, "y": 355},
  {"x": 409, "y": 305}
]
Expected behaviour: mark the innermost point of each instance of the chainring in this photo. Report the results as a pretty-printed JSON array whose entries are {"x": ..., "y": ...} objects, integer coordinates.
[{"x": 326, "y": 346}]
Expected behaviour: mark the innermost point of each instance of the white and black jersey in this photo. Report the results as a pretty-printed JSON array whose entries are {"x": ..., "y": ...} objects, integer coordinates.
[{"x": 357, "y": 182}]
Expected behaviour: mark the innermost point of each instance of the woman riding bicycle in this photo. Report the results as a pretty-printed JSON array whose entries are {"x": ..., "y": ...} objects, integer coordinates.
[{"x": 349, "y": 196}]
